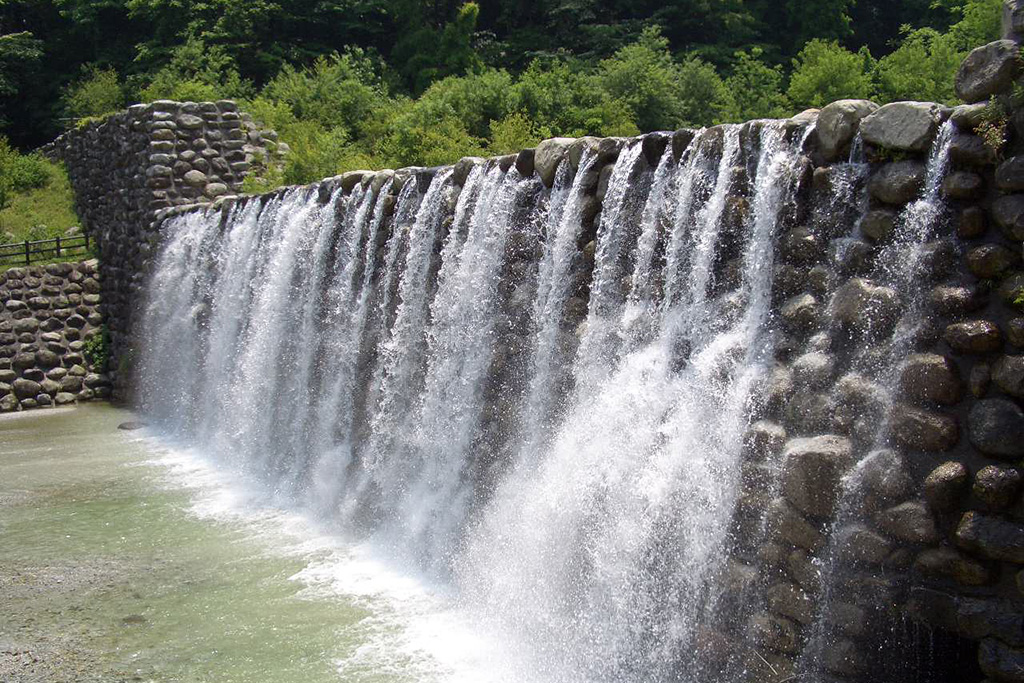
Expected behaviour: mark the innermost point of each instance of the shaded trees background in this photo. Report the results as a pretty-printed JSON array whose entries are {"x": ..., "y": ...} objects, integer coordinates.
[{"x": 370, "y": 83}]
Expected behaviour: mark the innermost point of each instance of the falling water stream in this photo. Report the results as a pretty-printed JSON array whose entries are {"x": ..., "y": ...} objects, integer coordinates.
[{"x": 534, "y": 408}]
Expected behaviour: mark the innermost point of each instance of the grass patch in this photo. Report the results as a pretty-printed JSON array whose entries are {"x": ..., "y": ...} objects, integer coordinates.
[{"x": 40, "y": 212}]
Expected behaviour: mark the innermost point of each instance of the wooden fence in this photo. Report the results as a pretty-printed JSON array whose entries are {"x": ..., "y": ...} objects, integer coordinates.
[{"x": 55, "y": 249}]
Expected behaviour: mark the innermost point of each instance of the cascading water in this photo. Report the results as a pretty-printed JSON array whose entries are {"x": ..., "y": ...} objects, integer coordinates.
[{"x": 539, "y": 404}]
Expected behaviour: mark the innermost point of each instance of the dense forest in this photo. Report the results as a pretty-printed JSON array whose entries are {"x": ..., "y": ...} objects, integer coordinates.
[{"x": 373, "y": 83}]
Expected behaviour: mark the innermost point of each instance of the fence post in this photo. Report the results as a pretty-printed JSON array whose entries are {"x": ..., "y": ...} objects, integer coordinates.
[
  {"x": 58, "y": 246},
  {"x": 27, "y": 260}
]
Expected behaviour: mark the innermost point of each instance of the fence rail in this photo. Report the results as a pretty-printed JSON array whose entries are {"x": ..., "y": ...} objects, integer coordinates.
[{"x": 29, "y": 252}]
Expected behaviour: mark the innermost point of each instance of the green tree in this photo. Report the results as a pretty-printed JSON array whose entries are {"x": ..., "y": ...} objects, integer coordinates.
[
  {"x": 645, "y": 78},
  {"x": 755, "y": 89},
  {"x": 427, "y": 135},
  {"x": 922, "y": 68},
  {"x": 235, "y": 29},
  {"x": 824, "y": 72},
  {"x": 196, "y": 72},
  {"x": 19, "y": 52},
  {"x": 818, "y": 20},
  {"x": 978, "y": 22},
  {"x": 97, "y": 93},
  {"x": 318, "y": 152},
  {"x": 339, "y": 90},
  {"x": 475, "y": 99},
  {"x": 513, "y": 133},
  {"x": 562, "y": 96},
  {"x": 703, "y": 94},
  {"x": 427, "y": 53},
  {"x": 6, "y": 182}
]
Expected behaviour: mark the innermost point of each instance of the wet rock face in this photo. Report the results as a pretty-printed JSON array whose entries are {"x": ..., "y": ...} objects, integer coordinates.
[
  {"x": 997, "y": 486},
  {"x": 1008, "y": 213},
  {"x": 898, "y": 182},
  {"x": 1010, "y": 174},
  {"x": 813, "y": 469},
  {"x": 1000, "y": 662},
  {"x": 996, "y": 428},
  {"x": 988, "y": 70},
  {"x": 878, "y": 224},
  {"x": 1013, "y": 20},
  {"x": 547, "y": 157},
  {"x": 838, "y": 123},
  {"x": 975, "y": 336},
  {"x": 923, "y": 430},
  {"x": 903, "y": 126},
  {"x": 910, "y": 522},
  {"x": 52, "y": 319},
  {"x": 945, "y": 485},
  {"x": 946, "y": 563},
  {"x": 935, "y": 500},
  {"x": 991, "y": 537},
  {"x": 932, "y": 378},
  {"x": 865, "y": 306}
]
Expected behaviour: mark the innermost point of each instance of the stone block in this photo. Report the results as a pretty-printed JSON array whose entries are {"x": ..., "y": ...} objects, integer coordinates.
[
  {"x": 945, "y": 486},
  {"x": 910, "y": 522},
  {"x": 996, "y": 427},
  {"x": 991, "y": 537},
  {"x": 905, "y": 126},
  {"x": 988, "y": 70},
  {"x": 812, "y": 471}
]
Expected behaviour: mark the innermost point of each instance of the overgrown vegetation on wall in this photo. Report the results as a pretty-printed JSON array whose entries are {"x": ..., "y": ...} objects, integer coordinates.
[{"x": 380, "y": 83}]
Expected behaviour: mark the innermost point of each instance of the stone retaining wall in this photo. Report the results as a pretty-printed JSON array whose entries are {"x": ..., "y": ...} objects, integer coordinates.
[
  {"x": 48, "y": 314},
  {"x": 128, "y": 167},
  {"x": 839, "y": 534},
  {"x": 926, "y": 527}
]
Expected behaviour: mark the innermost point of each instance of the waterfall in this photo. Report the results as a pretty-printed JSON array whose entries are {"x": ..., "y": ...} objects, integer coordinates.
[{"x": 535, "y": 396}]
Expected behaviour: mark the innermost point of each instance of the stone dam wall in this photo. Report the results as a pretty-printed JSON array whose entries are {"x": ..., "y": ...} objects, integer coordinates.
[
  {"x": 48, "y": 315},
  {"x": 933, "y": 536},
  {"x": 128, "y": 167}
]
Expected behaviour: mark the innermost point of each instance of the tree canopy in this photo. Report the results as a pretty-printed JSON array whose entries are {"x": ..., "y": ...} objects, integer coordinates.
[{"x": 392, "y": 82}]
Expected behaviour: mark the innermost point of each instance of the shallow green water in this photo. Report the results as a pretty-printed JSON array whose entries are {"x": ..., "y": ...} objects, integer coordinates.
[{"x": 106, "y": 574}]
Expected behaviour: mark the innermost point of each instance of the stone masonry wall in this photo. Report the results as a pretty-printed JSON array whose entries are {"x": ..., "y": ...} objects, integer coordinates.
[
  {"x": 128, "y": 167},
  {"x": 47, "y": 315},
  {"x": 925, "y": 529}
]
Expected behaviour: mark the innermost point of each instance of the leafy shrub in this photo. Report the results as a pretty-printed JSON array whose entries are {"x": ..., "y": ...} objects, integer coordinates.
[
  {"x": 513, "y": 133},
  {"x": 427, "y": 54},
  {"x": 260, "y": 180},
  {"x": 475, "y": 99},
  {"x": 197, "y": 72},
  {"x": 703, "y": 94},
  {"x": 429, "y": 134},
  {"x": 318, "y": 152},
  {"x": 35, "y": 195},
  {"x": 97, "y": 93},
  {"x": 754, "y": 89},
  {"x": 562, "y": 96},
  {"x": 26, "y": 171},
  {"x": 980, "y": 23},
  {"x": 825, "y": 72},
  {"x": 921, "y": 68},
  {"x": 97, "y": 349},
  {"x": 645, "y": 78},
  {"x": 339, "y": 90},
  {"x": 994, "y": 127},
  {"x": 20, "y": 172},
  {"x": 270, "y": 113}
]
